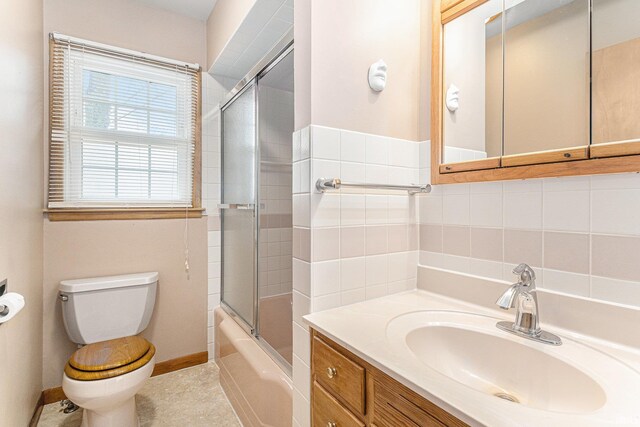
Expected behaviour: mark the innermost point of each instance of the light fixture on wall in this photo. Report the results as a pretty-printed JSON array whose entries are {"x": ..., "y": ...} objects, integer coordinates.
[
  {"x": 378, "y": 76},
  {"x": 453, "y": 98}
]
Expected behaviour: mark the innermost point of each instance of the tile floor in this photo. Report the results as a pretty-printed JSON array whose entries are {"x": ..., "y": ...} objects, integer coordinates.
[{"x": 189, "y": 397}]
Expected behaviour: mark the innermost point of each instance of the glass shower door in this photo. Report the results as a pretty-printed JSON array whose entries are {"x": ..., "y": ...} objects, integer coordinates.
[{"x": 238, "y": 207}]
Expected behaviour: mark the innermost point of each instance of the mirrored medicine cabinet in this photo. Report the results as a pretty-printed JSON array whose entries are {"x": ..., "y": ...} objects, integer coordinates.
[{"x": 534, "y": 88}]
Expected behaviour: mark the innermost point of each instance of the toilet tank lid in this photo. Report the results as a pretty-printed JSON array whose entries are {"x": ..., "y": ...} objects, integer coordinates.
[{"x": 108, "y": 282}]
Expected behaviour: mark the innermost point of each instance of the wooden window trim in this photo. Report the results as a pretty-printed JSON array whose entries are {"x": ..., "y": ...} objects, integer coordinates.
[
  {"x": 122, "y": 214},
  {"x": 601, "y": 158}
]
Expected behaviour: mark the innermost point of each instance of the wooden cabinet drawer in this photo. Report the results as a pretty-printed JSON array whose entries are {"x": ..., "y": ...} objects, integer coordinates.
[
  {"x": 396, "y": 406},
  {"x": 338, "y": 374},
  {"x": 328, "y": 412}
]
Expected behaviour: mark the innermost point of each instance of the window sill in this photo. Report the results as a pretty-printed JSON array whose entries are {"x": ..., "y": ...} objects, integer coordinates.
[{"x": 121, "y": 214}]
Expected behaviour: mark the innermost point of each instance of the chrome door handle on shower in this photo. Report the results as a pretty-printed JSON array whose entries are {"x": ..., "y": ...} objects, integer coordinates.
[{"x": 241, "y": 206}]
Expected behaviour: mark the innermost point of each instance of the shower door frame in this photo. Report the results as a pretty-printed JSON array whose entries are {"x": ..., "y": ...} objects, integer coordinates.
[{"x": 283, "y": 48}]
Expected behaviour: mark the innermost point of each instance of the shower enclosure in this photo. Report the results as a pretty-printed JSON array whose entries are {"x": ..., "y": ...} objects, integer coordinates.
[{"x": 256, "y": 204}]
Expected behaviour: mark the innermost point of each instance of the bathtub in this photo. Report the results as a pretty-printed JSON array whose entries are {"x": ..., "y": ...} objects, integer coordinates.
[{"x": 258, "y": 389}]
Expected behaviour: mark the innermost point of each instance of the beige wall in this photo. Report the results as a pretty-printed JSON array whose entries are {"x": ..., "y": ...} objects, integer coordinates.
[
  {"x": 81, "y": 249},
  {"x": 98, "y": 248},
  {"x": 345, "y": 38},
  {"x": 224, "y": 20},
  {"x": 302, "y": 63},
  {"x": 129, "y": 24},
  {"x": 424, "y": 112},
  {"x": 20, "y": 210}
]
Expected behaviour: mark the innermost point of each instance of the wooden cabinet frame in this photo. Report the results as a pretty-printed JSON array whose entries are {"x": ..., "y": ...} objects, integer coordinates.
[
  {"x": 614, "y": 157},
  {"x": 384, "y": 403}
]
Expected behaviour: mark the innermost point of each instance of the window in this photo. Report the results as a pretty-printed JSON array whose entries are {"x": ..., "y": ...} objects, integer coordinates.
[{"x": 124, "y": 129}]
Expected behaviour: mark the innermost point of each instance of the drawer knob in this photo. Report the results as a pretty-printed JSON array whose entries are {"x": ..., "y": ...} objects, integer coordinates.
[
  {"x": 331, "y": 373},
  {"x": 331, "y": 424}
]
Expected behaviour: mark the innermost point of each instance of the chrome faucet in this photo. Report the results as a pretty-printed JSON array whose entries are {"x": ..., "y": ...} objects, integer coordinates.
[{"x": 522, "y": 296}]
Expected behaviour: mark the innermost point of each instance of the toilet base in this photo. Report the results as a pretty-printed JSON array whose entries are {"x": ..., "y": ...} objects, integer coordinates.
[
  {"x": 109, "y": 402},
  {"x": 124, "y": 415}
]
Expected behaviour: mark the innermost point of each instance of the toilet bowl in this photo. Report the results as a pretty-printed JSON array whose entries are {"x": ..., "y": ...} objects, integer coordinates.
[
  {"x": 110, "y": 377},
  {"x": 105, "y": 316}
]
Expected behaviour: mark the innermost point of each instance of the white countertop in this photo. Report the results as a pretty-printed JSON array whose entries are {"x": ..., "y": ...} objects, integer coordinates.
[{"x": 362, "y": 329}]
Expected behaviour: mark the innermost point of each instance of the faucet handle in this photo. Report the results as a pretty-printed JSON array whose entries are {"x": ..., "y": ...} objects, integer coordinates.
[{"x": 526, "y": 273}]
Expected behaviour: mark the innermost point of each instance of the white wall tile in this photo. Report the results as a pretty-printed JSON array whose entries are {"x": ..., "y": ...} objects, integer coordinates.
[
  {"x": 481, "y": 267},
  {"x": 325, "y": 209},
  {"x": 486, "y": 210},
  {"x": 326, "y": 277},
  {"x": 305, "y": 144},
  {"x": 324, "y": 169},
  {"x": 325, "y": 143},
  {"x": 301, "y": 210},
  {"x": 616, "y": 211},
  {"x": 301, "y": 276},
  {"x": 619, "y": 291},
  {"x": 376, "y": 270},
  {"x": 455, "y": 209},
  {"x": 570, "y": 283},
  {"x": 376, "y": 210},
  {"x": 377, "y": 174},
  {"x": 566, "y": 210},
  {"x": 353, "y": 172},
  {"x": 377, "y": 150},
  {"x": 352, "y": 209},
  {"x": 352, "y": 273},
  {"x": 352, "y": 146},
  {"x": 523, "y": 210}
]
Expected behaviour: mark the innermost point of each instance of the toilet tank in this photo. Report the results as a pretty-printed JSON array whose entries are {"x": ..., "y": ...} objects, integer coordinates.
[{"x": 104, "y": 308}]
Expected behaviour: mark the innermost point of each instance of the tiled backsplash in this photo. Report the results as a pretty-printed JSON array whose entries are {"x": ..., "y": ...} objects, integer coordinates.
[
  {"x": 582, "y": 234},
  {"x": 348, "y": 245}
]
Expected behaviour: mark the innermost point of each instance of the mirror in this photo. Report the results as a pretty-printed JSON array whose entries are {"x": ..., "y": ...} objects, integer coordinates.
[
  {"x": 616, "y": 73},
  {"x": 472, "y": 84},
  {"x": 516, "y": 83},
  {"x": 546, "y": 75}
]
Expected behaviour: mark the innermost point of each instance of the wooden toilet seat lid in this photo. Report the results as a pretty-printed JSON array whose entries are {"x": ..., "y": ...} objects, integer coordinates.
[{"x": 108, "y": 359}]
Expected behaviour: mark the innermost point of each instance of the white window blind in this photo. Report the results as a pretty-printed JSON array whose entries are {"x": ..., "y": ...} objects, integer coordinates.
[{"x": 123, "y": 128}]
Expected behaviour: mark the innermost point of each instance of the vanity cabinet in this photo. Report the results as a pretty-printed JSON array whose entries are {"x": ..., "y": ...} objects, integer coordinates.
[{"x": 346, "y": 391}]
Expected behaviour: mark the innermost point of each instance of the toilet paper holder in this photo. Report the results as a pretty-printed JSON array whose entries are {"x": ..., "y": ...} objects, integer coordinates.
[{"x": 4, "y": 310}]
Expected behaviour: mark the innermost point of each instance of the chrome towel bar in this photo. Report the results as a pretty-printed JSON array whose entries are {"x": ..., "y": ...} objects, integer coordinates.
[{"x": 324, "y": 184}]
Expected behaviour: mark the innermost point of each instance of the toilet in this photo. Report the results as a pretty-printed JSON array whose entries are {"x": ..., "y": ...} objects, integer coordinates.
[{"x": 104, "y": 315}]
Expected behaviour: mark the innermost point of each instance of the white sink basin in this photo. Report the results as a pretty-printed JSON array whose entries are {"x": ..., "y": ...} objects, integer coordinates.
[{"x": 466, "y": 348}]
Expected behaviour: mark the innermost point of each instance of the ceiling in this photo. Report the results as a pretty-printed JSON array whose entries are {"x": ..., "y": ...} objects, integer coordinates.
[
  {"x": 265, "y": 24},
  {"x": 198, "y": 9}
]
